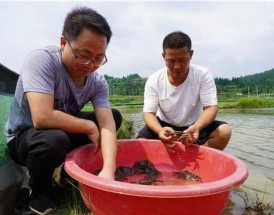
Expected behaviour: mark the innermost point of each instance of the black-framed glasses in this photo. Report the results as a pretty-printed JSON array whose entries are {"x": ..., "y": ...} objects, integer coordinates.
[{"x": 81, "y": 60}]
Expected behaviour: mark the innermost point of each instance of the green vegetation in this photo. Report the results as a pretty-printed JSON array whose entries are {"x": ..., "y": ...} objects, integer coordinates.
[
  {"x": 126, "y": 130},
  {"x": 249, "y": 103},
  {"x": 119, "y": 100},
  {"x": 70, "y": 203},
  {"x": 259, "y": 85},
  {"x": 5, "y": 102},
  {"x": 131, "y": 85},
  {"x": 260, "y": 206}
]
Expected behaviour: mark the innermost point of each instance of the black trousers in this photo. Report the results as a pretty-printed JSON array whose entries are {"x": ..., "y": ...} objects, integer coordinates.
[
  {"x": 41, "y": 151},
  {"x": 145, "y": 132}
]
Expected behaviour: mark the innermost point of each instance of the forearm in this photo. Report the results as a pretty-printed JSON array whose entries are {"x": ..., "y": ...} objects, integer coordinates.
[
  {"x": 109, "y": 148},
  {"x": 208, "y": 116},
  {"x": 152, "y": 122},
  {"x": 63, "y": 121},
  {"x": 108, "y": 141},
  {"x": 45, "y": 117}
]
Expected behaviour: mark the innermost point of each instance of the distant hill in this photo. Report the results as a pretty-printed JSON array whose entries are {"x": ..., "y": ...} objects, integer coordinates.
[{"x": 260, "y": 84}]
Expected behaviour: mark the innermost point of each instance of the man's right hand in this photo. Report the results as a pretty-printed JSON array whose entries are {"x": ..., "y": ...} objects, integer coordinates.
[{"x": 164, "y": 137}]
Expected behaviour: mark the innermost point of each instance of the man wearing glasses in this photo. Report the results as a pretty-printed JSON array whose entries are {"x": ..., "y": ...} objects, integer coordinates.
[
  {"x": 46, "y": 121},
  {"x": 182, "y": 97}
]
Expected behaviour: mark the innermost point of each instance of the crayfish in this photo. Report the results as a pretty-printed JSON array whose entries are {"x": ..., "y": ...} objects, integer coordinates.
[
  {"x": 182, "y": 137},
  {"x": 150, "y": 181},
  {"x": 147, "y": 168},
  {"x": 188, "y": 176}
]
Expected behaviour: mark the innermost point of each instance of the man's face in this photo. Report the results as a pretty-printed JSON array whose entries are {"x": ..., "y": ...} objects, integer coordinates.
[
  {"x": 177, "y": 61},
  {"x": 85, "y": 54}
]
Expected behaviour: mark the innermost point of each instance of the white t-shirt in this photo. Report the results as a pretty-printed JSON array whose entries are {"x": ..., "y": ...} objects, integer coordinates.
[{"x": 182, "y": 105}]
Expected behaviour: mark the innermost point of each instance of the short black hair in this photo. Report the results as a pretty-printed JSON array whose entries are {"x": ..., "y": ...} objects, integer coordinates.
[
  {"x": 85, "y": 18},
  {"x": 176, "y": 39}
]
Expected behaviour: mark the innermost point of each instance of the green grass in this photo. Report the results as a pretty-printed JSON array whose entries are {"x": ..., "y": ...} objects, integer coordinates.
[
  {"x": 5, "y": 102},
  {"x": 70, "y": 203},
  {"x": 260, "y": 206},
  {"x": 120, "y": 101},
  {"x": 249, "y": 103}
]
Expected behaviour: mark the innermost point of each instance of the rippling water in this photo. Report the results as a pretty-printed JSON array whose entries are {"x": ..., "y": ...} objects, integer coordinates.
[{"x": 253, "y": 142}]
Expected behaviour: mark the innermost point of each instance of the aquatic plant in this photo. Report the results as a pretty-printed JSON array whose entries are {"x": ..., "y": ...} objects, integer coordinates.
[{"x": 259, "y": 207}]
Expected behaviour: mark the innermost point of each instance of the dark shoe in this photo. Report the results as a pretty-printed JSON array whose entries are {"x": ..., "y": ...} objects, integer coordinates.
[
  {"x": 42, "y": 202},
  {"x": 22, "y": 202},
  {"x": 64, "y": 180}
]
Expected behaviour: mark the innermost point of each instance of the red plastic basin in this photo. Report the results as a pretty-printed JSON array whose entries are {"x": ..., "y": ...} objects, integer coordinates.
[{"x": 219, "y": 171}]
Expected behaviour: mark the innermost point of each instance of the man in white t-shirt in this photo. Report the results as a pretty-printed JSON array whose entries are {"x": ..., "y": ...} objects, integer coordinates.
[{"x": 182, "y": 97}]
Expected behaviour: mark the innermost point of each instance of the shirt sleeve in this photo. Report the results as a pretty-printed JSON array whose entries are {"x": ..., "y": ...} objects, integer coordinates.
[
  {"x": 208, "y": 92},
  {"x": 151, "y": 102},
  {"x": 101, "y": 96},
  {"x": 37, "y": 72}
]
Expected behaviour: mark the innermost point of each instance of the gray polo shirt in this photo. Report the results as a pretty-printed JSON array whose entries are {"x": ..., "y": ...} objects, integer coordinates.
[{"x": 43, "y": 71}]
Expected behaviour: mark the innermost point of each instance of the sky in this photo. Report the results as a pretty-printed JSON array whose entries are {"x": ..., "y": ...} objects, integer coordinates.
[{"x": 231, "y": 38}]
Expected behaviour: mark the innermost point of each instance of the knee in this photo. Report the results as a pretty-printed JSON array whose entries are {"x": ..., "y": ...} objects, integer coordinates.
[
  {"x": 225, "y": 132},
  {"x": 51, "y": 143},
  {"x": 58, "y": 143},
  {"x": 117, "y": 118},
  {"x": 220, "y": 137},
  {"x": 48, "y": 146}
]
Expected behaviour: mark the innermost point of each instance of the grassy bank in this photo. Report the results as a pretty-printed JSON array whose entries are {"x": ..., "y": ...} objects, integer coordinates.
[
  {"x": 249, "y": 103},
  {"x": 241, "y": 103},
  {"x": 121, "y": 102},
  {"x": 118, "y": 100}
]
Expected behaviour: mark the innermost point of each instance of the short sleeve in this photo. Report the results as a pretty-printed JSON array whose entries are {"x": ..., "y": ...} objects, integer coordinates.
[
  {"x": 208, "y": 92},
  {"x": 151, "y": 102},
  {"x": 37, "y": 72}
]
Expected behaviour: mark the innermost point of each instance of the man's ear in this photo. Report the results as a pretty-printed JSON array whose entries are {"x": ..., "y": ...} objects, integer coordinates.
[
  {"x": 191, "y": 53},
  {"x": 63, "y": 42},
  {"x": 163, "y": 55}
]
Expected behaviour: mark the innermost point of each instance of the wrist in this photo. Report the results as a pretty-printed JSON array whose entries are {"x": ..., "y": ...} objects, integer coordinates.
[
  {"x": 197, "y": 126},
  {"x": 91, "y": 127}
]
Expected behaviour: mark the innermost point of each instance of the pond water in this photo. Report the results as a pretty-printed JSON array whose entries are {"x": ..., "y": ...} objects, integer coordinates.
[{"x": 253, "y": 142}]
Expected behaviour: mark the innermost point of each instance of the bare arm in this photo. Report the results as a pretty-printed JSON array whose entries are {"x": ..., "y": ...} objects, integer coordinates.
[
  {"x": 208, "y": 115},
  {"x": 108, "y": 141},
  {"x": 44, "y": 116}
]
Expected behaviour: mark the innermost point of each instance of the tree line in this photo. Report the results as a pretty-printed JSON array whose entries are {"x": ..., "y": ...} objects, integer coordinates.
[{"x": 260, "y": 84}]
